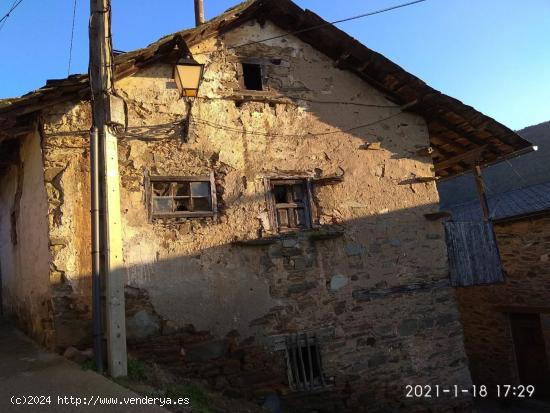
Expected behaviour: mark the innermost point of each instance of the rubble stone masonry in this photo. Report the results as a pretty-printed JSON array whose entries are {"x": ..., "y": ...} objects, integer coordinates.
[
  {"x": 525, "y": 249},
  {"x": 204, "y": 296}
]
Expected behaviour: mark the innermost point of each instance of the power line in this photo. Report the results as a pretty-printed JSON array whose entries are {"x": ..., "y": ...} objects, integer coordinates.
[
  {"x": 229, "y": 128},
  {"x": 72, "y": 37},
  {"x": 12, "y": 8},
  {"x": 309, "y": 100},
  {"x": 360, "y": 16}
]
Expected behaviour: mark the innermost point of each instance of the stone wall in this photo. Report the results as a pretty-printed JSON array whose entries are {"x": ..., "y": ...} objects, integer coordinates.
[
  {"x": 524, "y": 247},
  {"x": 24, "y": 255},
  {"x": 209, "y": 275}
]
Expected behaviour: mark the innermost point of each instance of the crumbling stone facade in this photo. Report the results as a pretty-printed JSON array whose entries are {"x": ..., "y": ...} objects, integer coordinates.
[
  {"x": 24, "y": 254},
  {"x": 524, "y": 246},
  {"x": 207, "y": 295}
]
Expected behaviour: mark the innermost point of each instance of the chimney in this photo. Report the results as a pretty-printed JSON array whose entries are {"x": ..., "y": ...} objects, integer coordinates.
[{"x": 199, "y": 12}]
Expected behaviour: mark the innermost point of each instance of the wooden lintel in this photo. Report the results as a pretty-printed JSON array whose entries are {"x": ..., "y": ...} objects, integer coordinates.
[
  {"x": 434, "y": 216},
  {"x": 521, "y": 309},
  {"x": 328, "y": 179}
]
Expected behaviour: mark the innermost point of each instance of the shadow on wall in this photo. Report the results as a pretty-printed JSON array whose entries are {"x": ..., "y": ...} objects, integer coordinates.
[
  {"x": 248, "y": 277},
  {"x": 379, "y": 284},
  {"x": 377, "y": 280}
]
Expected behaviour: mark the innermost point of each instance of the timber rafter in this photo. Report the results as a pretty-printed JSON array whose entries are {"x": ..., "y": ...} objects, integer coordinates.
[{"x": 455, "y": 128}]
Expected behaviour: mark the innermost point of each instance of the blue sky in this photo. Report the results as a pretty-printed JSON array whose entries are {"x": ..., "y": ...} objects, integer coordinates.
[{"x": 491, "y": 54}]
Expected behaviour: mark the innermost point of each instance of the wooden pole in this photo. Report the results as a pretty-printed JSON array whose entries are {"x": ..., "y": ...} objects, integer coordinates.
[
  {"x": 199, "y": 12},
  {"x": 110, "y": 234},
  {"x": 480, "y": 185}
]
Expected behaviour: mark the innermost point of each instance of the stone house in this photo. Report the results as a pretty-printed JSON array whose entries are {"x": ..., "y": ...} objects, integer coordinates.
[
  {"x": 280, "y": 230},
  {"x": 507, "y": 324}
]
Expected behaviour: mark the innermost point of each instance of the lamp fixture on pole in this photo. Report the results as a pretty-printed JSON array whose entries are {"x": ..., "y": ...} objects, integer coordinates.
[{"x": 187, "y": 71}]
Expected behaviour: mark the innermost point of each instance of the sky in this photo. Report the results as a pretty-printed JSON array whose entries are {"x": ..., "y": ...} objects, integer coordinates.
[{"x": 493, "y": 55}]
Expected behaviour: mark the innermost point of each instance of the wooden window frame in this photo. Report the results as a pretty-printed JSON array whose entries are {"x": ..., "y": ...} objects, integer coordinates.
[
  {"x": 310, "y": 209},
  {"x": 150, "y": 180}
]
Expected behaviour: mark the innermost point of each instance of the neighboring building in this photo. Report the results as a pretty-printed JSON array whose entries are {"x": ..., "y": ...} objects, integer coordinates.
[
  {"x": 276, "y": 240},
  {"x": 507, "y": 323}
]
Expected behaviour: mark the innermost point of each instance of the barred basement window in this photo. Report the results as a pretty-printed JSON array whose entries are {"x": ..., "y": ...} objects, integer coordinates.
[
  {"x": 290, "y": 203},
  {"x": 305, "y": 371},
  {"x": 182, "y": 196}
]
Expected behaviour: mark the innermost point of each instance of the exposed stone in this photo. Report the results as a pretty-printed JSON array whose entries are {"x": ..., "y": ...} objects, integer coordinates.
[
  {"x": 190, "y": 272},
  {"x": 302, "y": 287},
  {"x": 73, "y": 354},
  {"x": 289, "y": 242},
  {"x": 395, "y": 242},
  {"x": 353, "y": 249},
  {"x": 338, "y": 281},
  {"x": 485, "y": 309},
  {"x": 142, "y": 325},
  {"x": 207, "y": 351},
  {"x": 377, "y": 360},
  {"x": 408, "y": 327}
]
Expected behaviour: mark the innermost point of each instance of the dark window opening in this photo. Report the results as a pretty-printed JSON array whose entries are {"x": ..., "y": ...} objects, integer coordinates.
[
  {"x": 291, "y": 204},
  {"x": 252, "y": 76},
  {"x": 182, "y": 197},
  {"x": 305, "y": 370}
]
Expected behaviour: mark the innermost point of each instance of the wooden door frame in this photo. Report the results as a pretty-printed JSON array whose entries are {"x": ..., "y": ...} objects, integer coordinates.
[{"x": 525, "y": 310}]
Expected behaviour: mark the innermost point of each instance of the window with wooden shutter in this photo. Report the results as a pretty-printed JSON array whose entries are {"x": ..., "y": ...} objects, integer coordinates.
[{"x": 290, "y": 204}]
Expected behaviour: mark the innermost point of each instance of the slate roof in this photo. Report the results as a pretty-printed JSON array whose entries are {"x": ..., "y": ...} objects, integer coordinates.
[
  {"x": 507, "y": 205},
  {"x": 460, "y": 136}
]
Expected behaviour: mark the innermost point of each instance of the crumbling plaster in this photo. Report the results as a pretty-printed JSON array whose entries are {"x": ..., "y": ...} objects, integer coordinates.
[
  {"x": 192, "y": 272},
  {"x": 24, "y": 254}
]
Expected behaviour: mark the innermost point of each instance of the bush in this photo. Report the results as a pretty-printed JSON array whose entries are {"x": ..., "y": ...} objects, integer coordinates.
[
  {"x": 136, "y": 370},
  {"x": 198, "y": 399}
]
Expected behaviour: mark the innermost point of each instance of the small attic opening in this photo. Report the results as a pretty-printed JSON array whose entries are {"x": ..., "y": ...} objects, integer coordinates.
[{"x": 252, "y": 76}]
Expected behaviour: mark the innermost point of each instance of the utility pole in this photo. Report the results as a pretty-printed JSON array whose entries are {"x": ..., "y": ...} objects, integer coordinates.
[
  {"x": 107, "y": 262},
  {"x": 480, "y": 186},
  {"x": 199, "y": 12}
]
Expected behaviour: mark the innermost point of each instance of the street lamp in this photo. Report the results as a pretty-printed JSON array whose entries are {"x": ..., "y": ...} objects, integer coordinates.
[{"x": 188, "y": 75}]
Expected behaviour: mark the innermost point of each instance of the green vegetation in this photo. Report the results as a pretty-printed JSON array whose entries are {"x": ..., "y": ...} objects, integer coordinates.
[
  {"x": 88, "y": 364},
  {"x": 136, "y": 370},
  {"x": 197, "y": 397}
]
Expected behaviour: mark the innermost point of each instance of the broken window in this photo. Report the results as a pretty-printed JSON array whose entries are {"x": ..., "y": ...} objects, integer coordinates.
[
  {"x": 290, "y": 203},
  {"x": 305, "y": 370},
  {"x": 252, "y": 76},
  {"x": 182, "y": 196}
]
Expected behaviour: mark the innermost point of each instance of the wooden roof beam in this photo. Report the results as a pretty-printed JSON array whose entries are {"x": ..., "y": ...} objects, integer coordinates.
[
  {"x": 467, "y": 157},
  {"x": 467, "y": 135}
]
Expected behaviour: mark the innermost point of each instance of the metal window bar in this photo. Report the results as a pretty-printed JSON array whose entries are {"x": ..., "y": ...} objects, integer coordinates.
[
  {"x": 318, "y": 354},
  {"x": 304, "y": 368}
]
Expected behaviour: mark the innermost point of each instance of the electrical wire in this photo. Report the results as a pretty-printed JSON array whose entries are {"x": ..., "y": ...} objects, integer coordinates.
[
  {"x": 72, "y": 37},
  {"x": 12, "y": 8},
  {"x": 360, "y": 16},
  {"x": 326, "y": 102},
  {"x": 229, "y": 128}
]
